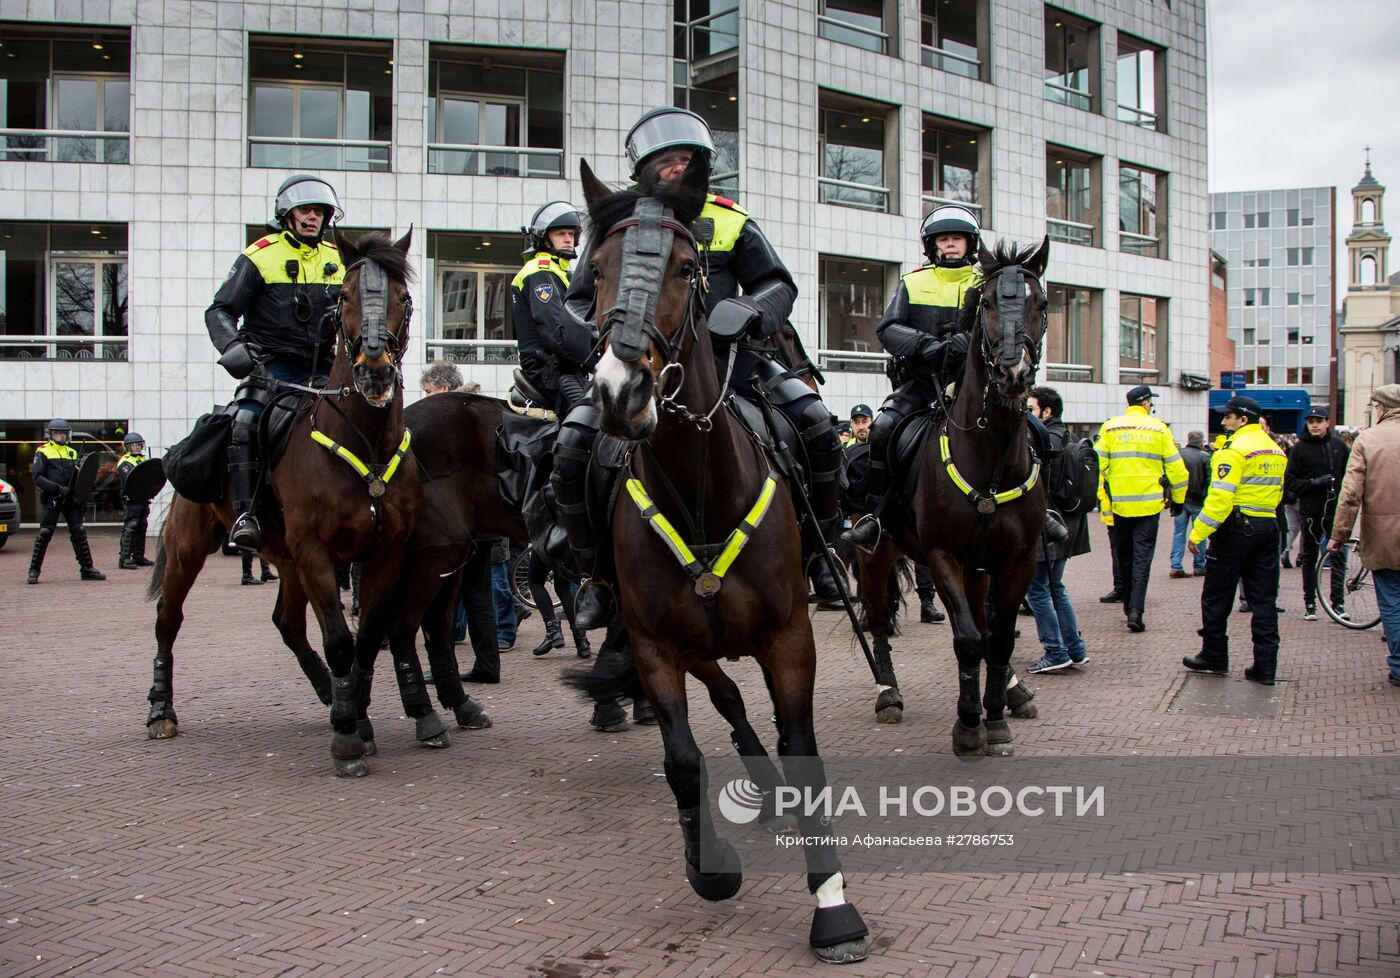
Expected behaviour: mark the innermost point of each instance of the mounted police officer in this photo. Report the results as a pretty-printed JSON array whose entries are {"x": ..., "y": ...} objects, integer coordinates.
[
  {"x": 537, "y": 304},
  {"x": 1239, "y": 517},
  {"x": 134, "y": 515},
  {"x": 751, "y": 295},
  {"x": 282, "y": 287},
  {"x": 926, "y": 328},
  {"x": 55, "y": 472}
]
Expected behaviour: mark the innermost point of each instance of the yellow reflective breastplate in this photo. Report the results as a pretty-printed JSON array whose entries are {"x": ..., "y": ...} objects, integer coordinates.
[
  {"x": 378, "y": 482},
  {"x": 986, "y": 503}
]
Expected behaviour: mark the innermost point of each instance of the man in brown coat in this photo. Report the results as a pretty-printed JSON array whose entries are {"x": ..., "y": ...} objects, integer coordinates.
[{"x": 1373, "y": 473}]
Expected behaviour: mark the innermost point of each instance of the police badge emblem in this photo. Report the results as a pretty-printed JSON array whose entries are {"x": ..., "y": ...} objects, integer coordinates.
[
  {"x": 1222, "y": 470},
  {"x": 544, "y": 292}
]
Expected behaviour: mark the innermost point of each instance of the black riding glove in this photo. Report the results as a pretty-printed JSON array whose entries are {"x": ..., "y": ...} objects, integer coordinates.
[
  {"x": 238, "y": 360},
  {"x": 931, "y": 350},
  {"x": 1177, "y": 509},
  {"x": 734, "y": 318}
]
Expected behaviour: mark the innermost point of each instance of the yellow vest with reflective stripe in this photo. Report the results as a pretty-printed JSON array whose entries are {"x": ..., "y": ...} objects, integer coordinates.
[
  {"x": 1246, "y": 475},
  {"x": 1135, "y": 452},
  {"x": 729, "y": 220},
  {"x": 934, "y": 286},
  {"x": 542, "y": 262},
  {"x": 52, "y": 449}
]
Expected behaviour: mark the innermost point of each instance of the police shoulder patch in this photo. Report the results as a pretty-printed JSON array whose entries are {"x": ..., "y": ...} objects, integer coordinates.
[
  {"x": 1222, "y": 470},
  {"x": 544, "y": 291},
  {"x": 262, "y": 243},
  {"x": 544, "y": 263}
]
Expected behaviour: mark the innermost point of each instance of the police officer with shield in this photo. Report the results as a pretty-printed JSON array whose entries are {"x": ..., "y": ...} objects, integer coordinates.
[
  {"x": 751, "y": 295},
  {"x": 55, "y": 475},
  {"x": 281, "y": 287},
  {"x": 1239, "y": 518},
  {"x": 135, "y": 512}
]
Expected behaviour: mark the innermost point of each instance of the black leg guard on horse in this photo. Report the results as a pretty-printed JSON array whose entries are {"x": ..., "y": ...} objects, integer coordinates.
[
  {"x": 711, "y": 864},
  {"x": 162, "y": 694}
]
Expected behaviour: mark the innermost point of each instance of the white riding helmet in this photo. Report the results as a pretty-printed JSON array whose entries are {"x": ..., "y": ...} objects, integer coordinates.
[
  {"x": 304, "y": 190},
  {"x": 556, "y": 214},
  {"x": 951, "y": 219},
  {"x": 664, "y": 128}
]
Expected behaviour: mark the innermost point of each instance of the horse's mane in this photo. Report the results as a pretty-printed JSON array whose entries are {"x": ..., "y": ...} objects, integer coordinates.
[
  {"x": 605, "y": 213},
  {"x": 1005, "y": 254},
  {"x": 378, "y": 247}
]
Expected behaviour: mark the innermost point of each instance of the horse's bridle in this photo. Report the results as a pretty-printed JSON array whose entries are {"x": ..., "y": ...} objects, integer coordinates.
[
  {"x": 1011, "y": 284},
  {"x": 631, "y": 321},
  {"x": 373, "y": 288}
]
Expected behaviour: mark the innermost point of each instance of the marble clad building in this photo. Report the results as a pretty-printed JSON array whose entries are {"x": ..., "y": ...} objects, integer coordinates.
[{"x": 143, "y": 142}]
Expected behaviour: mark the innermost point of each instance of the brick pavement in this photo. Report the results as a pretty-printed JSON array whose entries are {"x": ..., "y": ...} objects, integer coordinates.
[{"x": 542, "y": 849}]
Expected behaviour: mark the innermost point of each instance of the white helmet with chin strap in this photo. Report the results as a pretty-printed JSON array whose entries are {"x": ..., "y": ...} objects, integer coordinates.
[
  {"x": 951, "y": 219},
  {"x": 304, "y": 190},
  {"x": 551, "y": 217}
]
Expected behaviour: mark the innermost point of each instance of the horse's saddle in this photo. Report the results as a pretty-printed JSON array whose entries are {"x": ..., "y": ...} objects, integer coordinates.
[
  {"x": 752, "y": 417},
  {"x": 908, "y": 445},
  {"x": 275, "y": 427},
  {"x": 525, "y": 398}
]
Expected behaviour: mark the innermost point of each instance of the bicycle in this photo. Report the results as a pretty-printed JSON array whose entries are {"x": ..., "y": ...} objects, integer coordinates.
[{"x": 1361, "y": 609}]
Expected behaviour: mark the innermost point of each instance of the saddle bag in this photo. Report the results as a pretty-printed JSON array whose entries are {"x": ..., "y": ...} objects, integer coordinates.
[
  {"x": 524, "y": 460},
  {"x": 197, "y": 465}
]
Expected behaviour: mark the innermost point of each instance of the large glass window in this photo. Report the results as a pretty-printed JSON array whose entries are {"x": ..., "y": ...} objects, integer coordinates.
[
  {"x": 1140, "y": 73},
  {"x": 853, "y": 158},
  {"x": 470, "y": 321},
  {"x": 952, "y": 165},
  {"x": 493, "y": 117},
  {"x": 860, "y": 23},
  {"x": 853, "y": 294},
  {"x": 705, "y": 30},
  {"x": 320, "y": 105},
  {"x": 950, "y": 37},
  {"x": 1074, "y": 338},
  {"x": 717, "y": 103},
  {"x": 63, "y": 291},
  {"x": 1071, "y": 60},
  {"x": 1141, "y": 224},
  {"x": 1142, "y": 339},
  {"x": 53, "y": 81},
  {"x": 1071, "y": 202}
]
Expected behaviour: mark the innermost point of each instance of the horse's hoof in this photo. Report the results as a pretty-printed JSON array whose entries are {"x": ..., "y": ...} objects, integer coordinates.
[
  {"x": 371, "y": 748},
  {"x": 784, "y": 824},
  {"x": 838, "y": 934},
  {"x": 889, "y": 706},
  {"x": 847, "y": 952},
  {"x": 999, "y": 738},
  {"x": 161, "y": 729},
  {"x": 643, "y": 712},
  {"x": 969, "y": 741},
  {"x": 431, "y": 731},
  {"x": 1021, "y": 699},
  {"x": 609, "y": 718},
  {"x": 720, "y": 885},
  {"x": 357, "y": 768},
  {"x": 364, "y": 730},
  {"x": 471, "y": 715}
]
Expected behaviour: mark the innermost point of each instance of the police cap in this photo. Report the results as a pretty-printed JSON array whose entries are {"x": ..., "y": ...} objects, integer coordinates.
[
  {"x": 1140, "y": 393},
  {"x": 1247, "y": 406}
]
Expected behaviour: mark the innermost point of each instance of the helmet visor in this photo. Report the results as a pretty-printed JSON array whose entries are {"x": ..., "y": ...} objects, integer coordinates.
[
  {"x": 559, "y": 214},
  {"x": 308, "y": 193},
  {"x": 665, "y": 130}
]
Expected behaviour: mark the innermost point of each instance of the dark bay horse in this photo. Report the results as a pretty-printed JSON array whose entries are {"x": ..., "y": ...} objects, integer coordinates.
[
  {"x": 332, "y": 511},
  {"x": 727, "y": 579},
  {"x": 979, "y": 503}
]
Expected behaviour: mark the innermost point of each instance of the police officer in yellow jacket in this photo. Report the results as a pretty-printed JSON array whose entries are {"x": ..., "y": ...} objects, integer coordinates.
[
  {"x": 537, "y": 305},
  {"x": 132, "y": 553},
  {"x": 1141, "y": 472},
  {"x": 1239, "y": 518},
  {"x": 281, "y": 287},
  {"x": 750, "y": 297},
  {"x": 55, "y": 471}
]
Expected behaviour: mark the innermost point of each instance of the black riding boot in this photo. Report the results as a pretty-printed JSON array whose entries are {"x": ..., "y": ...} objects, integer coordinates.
[
  {"x": 124, "y": 558},
  {"x": 84, "y": 554},
  {"x": 865, "y": 534},
  {"x": 581, "y": 647},
  {"x": 41, "y": 546},
  {"x": 245, "y": 534},
  {"x": 595, "y": 606}
]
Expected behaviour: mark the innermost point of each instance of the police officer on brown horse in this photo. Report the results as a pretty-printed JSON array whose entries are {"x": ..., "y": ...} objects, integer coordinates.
[
  {"x": 751, "y": 295},
  {"x": 281, "y": 286}
]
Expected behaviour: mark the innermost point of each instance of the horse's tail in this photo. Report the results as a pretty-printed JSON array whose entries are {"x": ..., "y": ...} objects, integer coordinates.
[
  {"x": 614, "y": 672},
  {"x": 158, "y": 571},
  {"x": 901, "y": 580}
]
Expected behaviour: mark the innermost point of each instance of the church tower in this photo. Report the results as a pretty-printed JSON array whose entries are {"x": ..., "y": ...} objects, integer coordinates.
[{"x": 1368, "y": 245}]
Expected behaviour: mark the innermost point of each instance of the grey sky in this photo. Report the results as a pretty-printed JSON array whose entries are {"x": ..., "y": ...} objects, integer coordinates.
[{"x": 1297, "y": 89}]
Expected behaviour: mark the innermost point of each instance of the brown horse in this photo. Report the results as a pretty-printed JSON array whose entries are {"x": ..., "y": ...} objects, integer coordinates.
[
  {"x": 979, "y": 504},
  {"x": 687, "y": 601},
  {"x": 331, "y": 511}
]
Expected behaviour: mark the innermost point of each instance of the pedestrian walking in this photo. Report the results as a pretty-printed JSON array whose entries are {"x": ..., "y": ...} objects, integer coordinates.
[
  {"x": 1197, "y": 461},
  {"x": 1373, "y": 472},
  {"x": 1055, "y": 621},
  {"x": 1142, "y": 472},
  {"x": 1314, "y": 474},
  {"x": 1240, "y": 516}
]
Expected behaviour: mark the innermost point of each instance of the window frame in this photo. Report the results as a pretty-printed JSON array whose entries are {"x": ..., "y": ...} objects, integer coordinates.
[
  {"x": 981, "y": 204},
  {"x": 1087, "y": 332},
  {"x": 1140, "y": 373},
  {"x": 884, "y": 197},
  {"x": 853, "y": 360},
  {"x": 1067, "y": 229},
  {"x": 886, "y": 40},
  {"x": 1128, "y": 240},
  {"x": 937, "y": 57},
  {"x": 1136, "y": 114},
  {"x": 1055, "y": 88},
  {"x": 477, "y": 348}
]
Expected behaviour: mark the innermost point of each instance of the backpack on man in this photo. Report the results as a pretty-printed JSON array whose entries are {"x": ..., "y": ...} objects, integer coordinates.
[{"x": 1073, "y": 478}]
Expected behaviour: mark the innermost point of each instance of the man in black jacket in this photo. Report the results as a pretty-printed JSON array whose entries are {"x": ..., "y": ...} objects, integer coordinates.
[
  {"x": 1196, "y": 458},
  {"x": 1314, "y": 474}
]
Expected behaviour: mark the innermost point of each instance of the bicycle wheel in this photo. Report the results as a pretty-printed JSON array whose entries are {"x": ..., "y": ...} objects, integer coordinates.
[
  {"x": 519, "y": 575},
  {"x": 1360, "y": 608}
]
